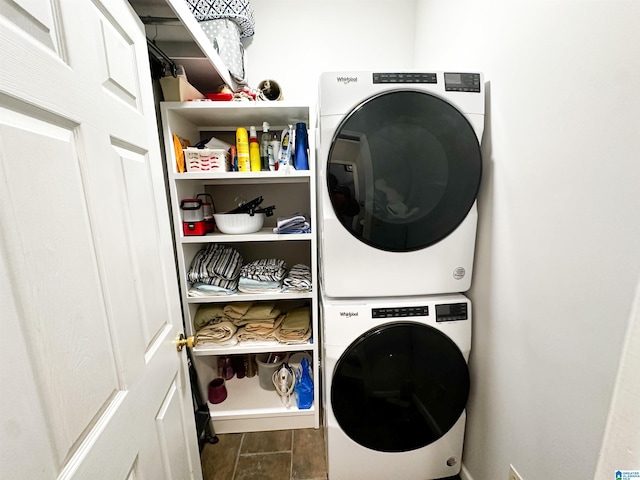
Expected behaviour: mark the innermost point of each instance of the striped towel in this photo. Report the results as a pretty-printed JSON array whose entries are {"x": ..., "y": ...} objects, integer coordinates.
[
  {"x": 265, "y": 269},
  {"x": 216, "y": 264},
  {"x": 298, "y": 278}
]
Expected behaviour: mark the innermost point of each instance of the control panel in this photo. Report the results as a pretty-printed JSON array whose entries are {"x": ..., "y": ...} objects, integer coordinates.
[
  {"x": 400, "y": 312},
  {"x": 462, "y": 82},
  {"x": 449, "y": 312},
  {"x": 411, "y": 77}
]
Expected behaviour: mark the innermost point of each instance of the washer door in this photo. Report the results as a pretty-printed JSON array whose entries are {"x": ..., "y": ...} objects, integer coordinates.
[
  {"x": 399, "y": 387},
  {"x": 403, "y": 170}
]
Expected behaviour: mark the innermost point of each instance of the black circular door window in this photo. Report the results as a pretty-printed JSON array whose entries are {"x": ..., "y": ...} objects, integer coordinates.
[
  {"x": 399, "y": 387},
  {"x": 404, "y": 170}
]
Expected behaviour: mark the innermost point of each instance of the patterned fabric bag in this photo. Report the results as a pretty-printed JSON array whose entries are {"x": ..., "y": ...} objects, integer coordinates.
[{"x": 225, "y": 22}]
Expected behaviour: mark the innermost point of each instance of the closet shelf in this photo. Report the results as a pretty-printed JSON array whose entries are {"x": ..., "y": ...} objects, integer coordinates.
[
  {"x": 240, "y": 349},
  {"x": 249, "y": 297},
  {"x": 246, "y": 178},
  {"x": 247, "y": 400},
  {"x": 263, "y": 235}
]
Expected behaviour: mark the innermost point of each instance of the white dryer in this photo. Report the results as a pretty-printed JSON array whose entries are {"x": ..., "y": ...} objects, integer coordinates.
[
  {"x": 396, "y": 385},
  {"x": 399, "y": 169}
]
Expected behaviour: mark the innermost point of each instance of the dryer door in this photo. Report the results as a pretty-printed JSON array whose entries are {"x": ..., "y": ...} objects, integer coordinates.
[
  {"x": 403, "y": 170},
  {"x": 399, "y": 387}
]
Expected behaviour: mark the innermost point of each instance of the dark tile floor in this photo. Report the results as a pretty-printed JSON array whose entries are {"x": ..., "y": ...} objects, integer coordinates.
[{"x": 278, "y": 455}]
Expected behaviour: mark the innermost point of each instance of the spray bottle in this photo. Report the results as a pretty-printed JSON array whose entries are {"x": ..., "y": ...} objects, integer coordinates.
[
  {"x": 254, "y": 150},
  {"x": 242, "y": 149},
  {"x": 264, "y": 143}
]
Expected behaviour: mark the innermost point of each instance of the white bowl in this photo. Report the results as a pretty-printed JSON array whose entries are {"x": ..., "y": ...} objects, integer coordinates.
[{"x": 235, "y": 223}]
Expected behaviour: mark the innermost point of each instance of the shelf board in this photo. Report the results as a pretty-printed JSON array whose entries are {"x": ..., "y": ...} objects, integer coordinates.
[
  {"x": 246, "y": 399},
  {"x": 211, "y": 115},
  {"x": 219, "y": 178},
  {"x": 250, "y": 297},
  {"x": 243, "y": 348},
  {"x": 263, "y": 235}
]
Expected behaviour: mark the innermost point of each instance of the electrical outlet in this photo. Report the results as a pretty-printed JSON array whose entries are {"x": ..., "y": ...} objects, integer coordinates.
[{"x": 513, "y": 475}]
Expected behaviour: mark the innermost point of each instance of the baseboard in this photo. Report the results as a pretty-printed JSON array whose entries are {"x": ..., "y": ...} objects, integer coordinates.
[{"x": 464, "y": 474}]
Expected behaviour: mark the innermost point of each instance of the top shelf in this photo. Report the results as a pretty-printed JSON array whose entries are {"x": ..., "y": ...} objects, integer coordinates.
[{"x": 221, "y": 115}]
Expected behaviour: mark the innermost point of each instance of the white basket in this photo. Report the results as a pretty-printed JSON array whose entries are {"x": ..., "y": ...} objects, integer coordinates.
[
  {"x": 236, "y": 223},
  {"x": 207, "y": 160}
]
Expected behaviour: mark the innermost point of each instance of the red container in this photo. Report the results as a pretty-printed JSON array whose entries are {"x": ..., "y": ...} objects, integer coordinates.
[
  {"x": 192, "y": 217},
  {"x": 207, "y": 212}
]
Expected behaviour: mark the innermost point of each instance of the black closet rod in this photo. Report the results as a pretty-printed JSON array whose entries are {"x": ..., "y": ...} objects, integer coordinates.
[
  {"x": 155, "y": 49},
  {"x": 149, "y": 20}
]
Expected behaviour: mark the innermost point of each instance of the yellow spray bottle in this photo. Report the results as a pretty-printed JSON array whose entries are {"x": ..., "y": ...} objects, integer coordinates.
[
  {"x": 254, "y": 150},
  {"x": 242, "y": 148}
]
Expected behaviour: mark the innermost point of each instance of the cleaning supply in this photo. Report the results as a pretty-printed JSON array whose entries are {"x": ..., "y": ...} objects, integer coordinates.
[
  {"x": 264, "y": 144},
  {"x": 302, "y": 147},
  {"x": 242, "y": 150},
  {"x": 234, "y": 159},
  {"x": 254, "y": 150},
  {"x": 273, "y": 152},
  {"x": 284, "y": 160}
]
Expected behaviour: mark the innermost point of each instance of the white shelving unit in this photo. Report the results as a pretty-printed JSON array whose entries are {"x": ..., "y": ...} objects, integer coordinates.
[{"x": 248, "y": 407}]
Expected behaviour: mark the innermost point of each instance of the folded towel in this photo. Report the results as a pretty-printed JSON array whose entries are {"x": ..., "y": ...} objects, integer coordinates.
[
  {"x": 296, "y": 223},
  {"x": 243, "y": 313},
  {"x": 207, "y": 314},
  {"x": 296, "y": 326},
  {"x": 247, "y": 285},
  {"x": 200, "y": 289},
  {"x": 219, "y": 332},
  {"x": 265, "y": 269},
  {"x": 298, "y": 278},
  {"x": 215, "y": 264}
]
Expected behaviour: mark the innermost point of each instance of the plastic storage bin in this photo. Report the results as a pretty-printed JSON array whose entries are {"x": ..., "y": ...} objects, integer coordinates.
[
  {"x": 207, "y": 160},
  {"x": 268, "y": 363}
]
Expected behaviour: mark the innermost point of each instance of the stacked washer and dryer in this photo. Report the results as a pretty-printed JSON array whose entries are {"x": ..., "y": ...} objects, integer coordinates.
[{"x": 399, "y": 168}]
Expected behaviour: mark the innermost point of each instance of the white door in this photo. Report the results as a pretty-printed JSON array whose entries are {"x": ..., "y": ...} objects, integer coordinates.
[{"x": 92, "y": 386}]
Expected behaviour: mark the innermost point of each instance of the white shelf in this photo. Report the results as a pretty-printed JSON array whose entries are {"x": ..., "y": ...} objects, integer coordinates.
[
  {"x": 250, "y": 178},
  {"x": 245, "y": 398},
  {"x": 250, "y": 297},
  {"x": 248, "y": 407},
  {"x": 263, "y": 235},
  {"x": 242, "y": 348}
]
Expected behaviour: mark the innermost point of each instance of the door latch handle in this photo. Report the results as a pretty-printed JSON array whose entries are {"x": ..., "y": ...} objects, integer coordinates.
[{"x": 183, "y": 341}]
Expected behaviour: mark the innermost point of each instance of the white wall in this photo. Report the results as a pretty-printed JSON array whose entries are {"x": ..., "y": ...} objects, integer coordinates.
[
  {"x": 558, "y": 256},
  {"x": 296, "y": 40}
]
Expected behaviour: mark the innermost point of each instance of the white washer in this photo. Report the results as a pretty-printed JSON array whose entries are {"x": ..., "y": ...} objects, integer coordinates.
[
  {"x": 396, "y": 384},
  {"x": 399, "y": 170}
]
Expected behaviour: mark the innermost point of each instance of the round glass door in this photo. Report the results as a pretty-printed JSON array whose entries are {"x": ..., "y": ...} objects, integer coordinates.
[
  {"x": 399, "y": 387},
  {"x": 404, "y": 170}
]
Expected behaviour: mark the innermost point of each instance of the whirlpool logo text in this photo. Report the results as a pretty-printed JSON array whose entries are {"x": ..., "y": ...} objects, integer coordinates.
[
  {"x": 348, "y": 314},
  {"x": 347, "y": 80}
]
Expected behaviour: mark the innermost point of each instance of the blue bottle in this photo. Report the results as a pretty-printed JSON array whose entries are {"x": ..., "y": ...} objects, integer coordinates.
[{"x": 302, "y": 147}]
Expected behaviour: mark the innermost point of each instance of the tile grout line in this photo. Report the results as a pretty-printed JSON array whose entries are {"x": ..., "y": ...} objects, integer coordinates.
[
  {"x": 291, "y": 456},
  {"x": 235, "y": 467}
]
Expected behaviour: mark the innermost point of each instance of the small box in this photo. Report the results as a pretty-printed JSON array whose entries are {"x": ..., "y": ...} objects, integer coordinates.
[
  {"x": 207, "y": 160},
  {"x": 178, "y": 89}
]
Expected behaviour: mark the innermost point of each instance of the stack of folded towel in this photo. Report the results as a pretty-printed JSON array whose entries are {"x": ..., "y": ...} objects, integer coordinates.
[
  {"x": 213, "y": 326},
  {"x": 262, "y": 276},
  {"x": 215, "y": 270},
  {"x": 296, "y": 223},
  {"x": 256, "y": 322},
  {"x": 298, "y": 279},
  {"x": 295, "y": 327}
]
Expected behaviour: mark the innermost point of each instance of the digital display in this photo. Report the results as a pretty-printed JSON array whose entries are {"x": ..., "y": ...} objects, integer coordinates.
[
  {"x": 453, "y": 78},
  {"x": 462, "y": 82}
]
